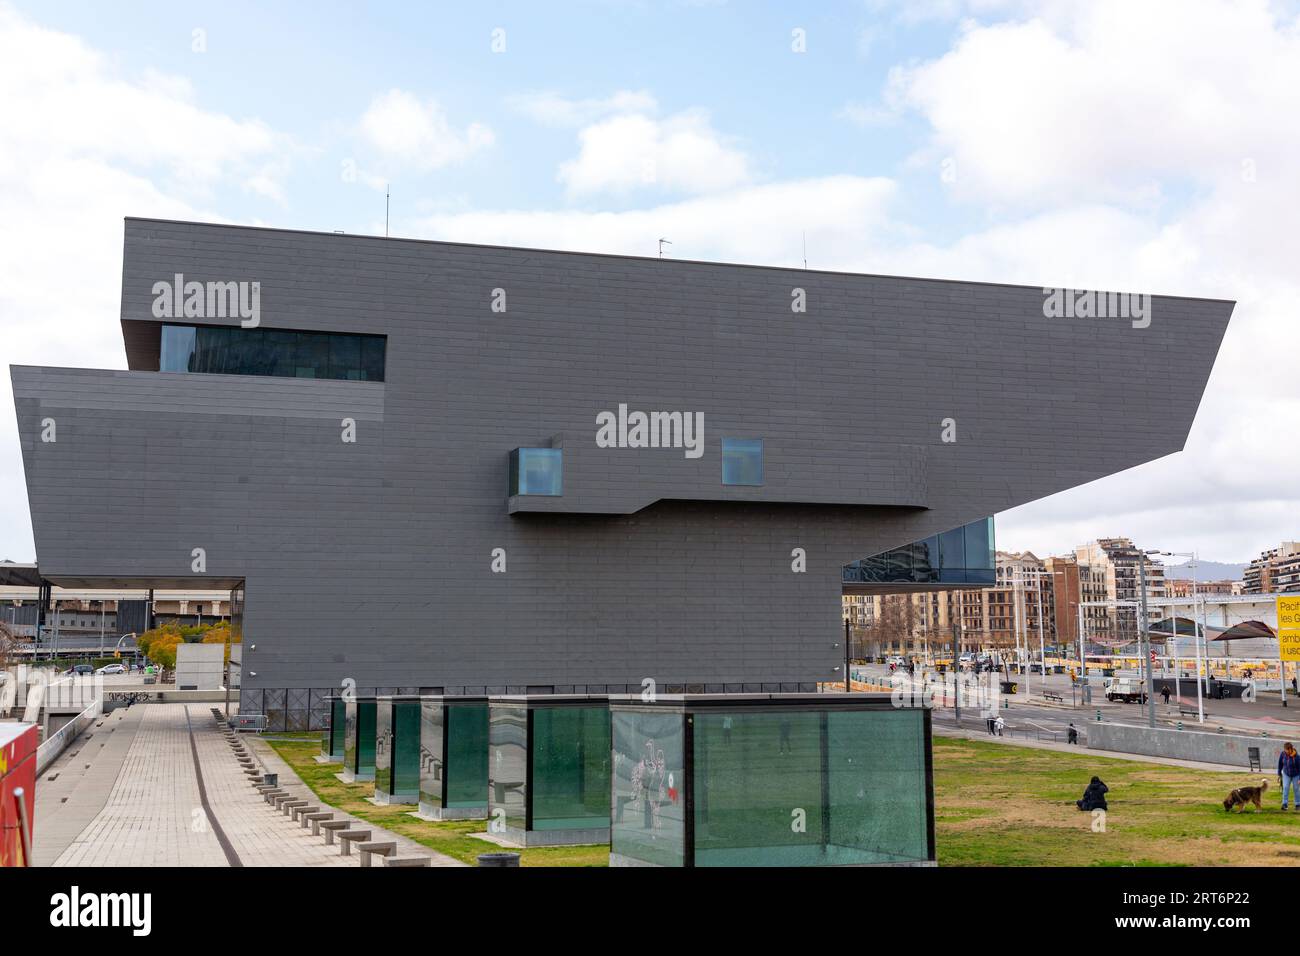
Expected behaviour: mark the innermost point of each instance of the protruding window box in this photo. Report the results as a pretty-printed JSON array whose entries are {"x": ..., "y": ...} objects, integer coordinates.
[
  {"x": 549, "y": 769},
  {"x": 770, "y": 780},
  {"x": 331, "y": 740},
  {"x": 358, "y": 740},
  {"x": 453, "y": 758},
  {"x": 537, "y": 471},
  {"x": 397, "y": 750}
]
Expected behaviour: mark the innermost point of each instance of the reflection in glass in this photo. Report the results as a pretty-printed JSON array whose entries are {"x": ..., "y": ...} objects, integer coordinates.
[
  {"x": 234, "y": 350},
  {"x": 359, "y": 739},
  {"x": 649, "y": 812},
  {"x": 571, "y": 755},
  {"x": 332, "y": 739},
  {"x": 964, "y": 555},
  {"x": 803, "y": 783},
  {"x": 508, "y": 762},
  {"x": 397, "y": 750},
  {"x": 453, "y": 758}
]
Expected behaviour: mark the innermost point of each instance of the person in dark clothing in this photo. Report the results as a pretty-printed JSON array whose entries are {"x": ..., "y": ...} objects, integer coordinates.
[
  {"x": 1071, "y": 735},
  {"x": 1165, "y": 692},
  {"x": 1288, "y": 773},
  {"x": 1094, "y": 797}
]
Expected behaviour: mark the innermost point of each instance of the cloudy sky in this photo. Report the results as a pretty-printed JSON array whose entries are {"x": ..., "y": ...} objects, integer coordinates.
[{"x": 1130, "y": 144}]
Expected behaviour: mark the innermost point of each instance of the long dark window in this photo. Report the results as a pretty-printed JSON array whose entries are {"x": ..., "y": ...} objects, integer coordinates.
[{"x": 226, "y": 350}]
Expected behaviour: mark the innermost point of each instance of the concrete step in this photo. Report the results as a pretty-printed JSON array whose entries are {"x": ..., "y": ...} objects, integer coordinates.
[{"x": 406, "y": 861}]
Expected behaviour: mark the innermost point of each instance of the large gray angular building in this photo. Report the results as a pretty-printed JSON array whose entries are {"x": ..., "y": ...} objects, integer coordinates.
[{"x": 422, "y": 466}]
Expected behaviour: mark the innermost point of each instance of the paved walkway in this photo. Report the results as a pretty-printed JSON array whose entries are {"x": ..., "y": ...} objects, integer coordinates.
[
  {"x": 127, "y": 794},
  {"x": 74, "y": 790},
  {"x": 152, "y": 815}
]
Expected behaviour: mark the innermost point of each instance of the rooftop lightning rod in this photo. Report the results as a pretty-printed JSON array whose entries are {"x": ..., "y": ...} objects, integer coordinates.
[
  {"x": 661, "y": 247},
  {"x": 805, "y": 248},
  {"x": 385, "y": 211}
]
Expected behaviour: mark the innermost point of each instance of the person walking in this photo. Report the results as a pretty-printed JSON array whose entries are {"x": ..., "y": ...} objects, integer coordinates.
[
  {"x": 990, "y": 723},
  {"x": 1288, "y": 773},
  {"x": 1000, "y": 724},
  {"x": 1072, "y": 735},
  {"x": 1164, "y": 691}
]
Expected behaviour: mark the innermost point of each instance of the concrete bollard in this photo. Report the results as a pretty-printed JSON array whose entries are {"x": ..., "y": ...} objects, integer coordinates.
[{"x": 271, "y": 779}]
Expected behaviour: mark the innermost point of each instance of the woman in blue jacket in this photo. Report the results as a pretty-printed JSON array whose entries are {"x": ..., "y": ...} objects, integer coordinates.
[{"x": 1288, "y": 772}]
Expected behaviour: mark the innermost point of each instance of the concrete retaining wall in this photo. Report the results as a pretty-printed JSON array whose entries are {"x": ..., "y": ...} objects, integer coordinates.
[
  {"x": 1230, "y": 749},
  {"x": 59, "y": 741}
]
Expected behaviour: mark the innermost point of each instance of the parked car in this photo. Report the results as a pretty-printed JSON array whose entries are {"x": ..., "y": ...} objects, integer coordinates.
[
  {"x": 81, "y": 669},
  {"x": 112, "y": 669},
  {"x": 896, "y": 661}
]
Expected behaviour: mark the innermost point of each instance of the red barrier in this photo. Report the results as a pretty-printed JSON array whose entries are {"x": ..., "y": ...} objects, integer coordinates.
[{"x": 17, "y": 772}]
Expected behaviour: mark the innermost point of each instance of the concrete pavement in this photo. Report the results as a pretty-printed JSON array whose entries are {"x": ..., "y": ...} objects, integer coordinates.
[{"x": 128, "y": 794}]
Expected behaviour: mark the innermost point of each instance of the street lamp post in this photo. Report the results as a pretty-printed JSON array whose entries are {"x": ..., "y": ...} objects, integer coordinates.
[{"x": 1146, "y": 638}]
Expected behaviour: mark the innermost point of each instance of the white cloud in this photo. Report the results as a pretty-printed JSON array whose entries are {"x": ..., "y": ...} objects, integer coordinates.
[
  {"x": 404, "y": 129},
  {"x": 1115, "y": 103},
  {"x": 757, "y": 224},
  {"x": 678, "y": 154},
  {"x": 81, "y": 147},
  {"x": 552, "y": 109},
  {"x": 1144, "y": 147}
]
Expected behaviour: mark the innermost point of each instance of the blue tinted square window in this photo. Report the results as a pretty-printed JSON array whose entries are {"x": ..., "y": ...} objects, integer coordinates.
[
  {"x": 742, "y": 461},
  {"x": 537, "y": 471}
]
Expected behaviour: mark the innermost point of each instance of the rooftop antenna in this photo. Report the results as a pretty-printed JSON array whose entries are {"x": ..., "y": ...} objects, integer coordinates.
[
  {"x": 805, "y": 248},
  {"x": 385, "y": 210},
  {"x": 661, "y": 247}
]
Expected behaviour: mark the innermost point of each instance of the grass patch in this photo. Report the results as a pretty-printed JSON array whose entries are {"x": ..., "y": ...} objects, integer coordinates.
[
  {"x": 1000, "y": 805},
  {"x": 451, "y": 838}
]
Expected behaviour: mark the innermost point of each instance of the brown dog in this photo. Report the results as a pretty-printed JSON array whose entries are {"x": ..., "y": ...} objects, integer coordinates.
[{"x": 1244, "y": 795}]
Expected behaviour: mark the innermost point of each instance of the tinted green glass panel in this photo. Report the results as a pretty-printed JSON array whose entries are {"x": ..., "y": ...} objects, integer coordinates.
[
  {"x": 759, "y": 782},
  {"x": 361, "y": 737},
  {"x": 877, "y": 806},
  {"x": 467, "y": 755},
  {"x": 333, "y": 737},
  {"x": 406, "y": 748},
  {"x": 571, "y": 783},
  {"x": 508, "y": 762},
  {"x": 649, "y": 822}
]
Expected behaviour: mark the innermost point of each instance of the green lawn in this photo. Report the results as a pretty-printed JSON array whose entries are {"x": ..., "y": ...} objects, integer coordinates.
[
  {"x": 999, "y": 805},
  {"x": 452, "y": 838}
]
